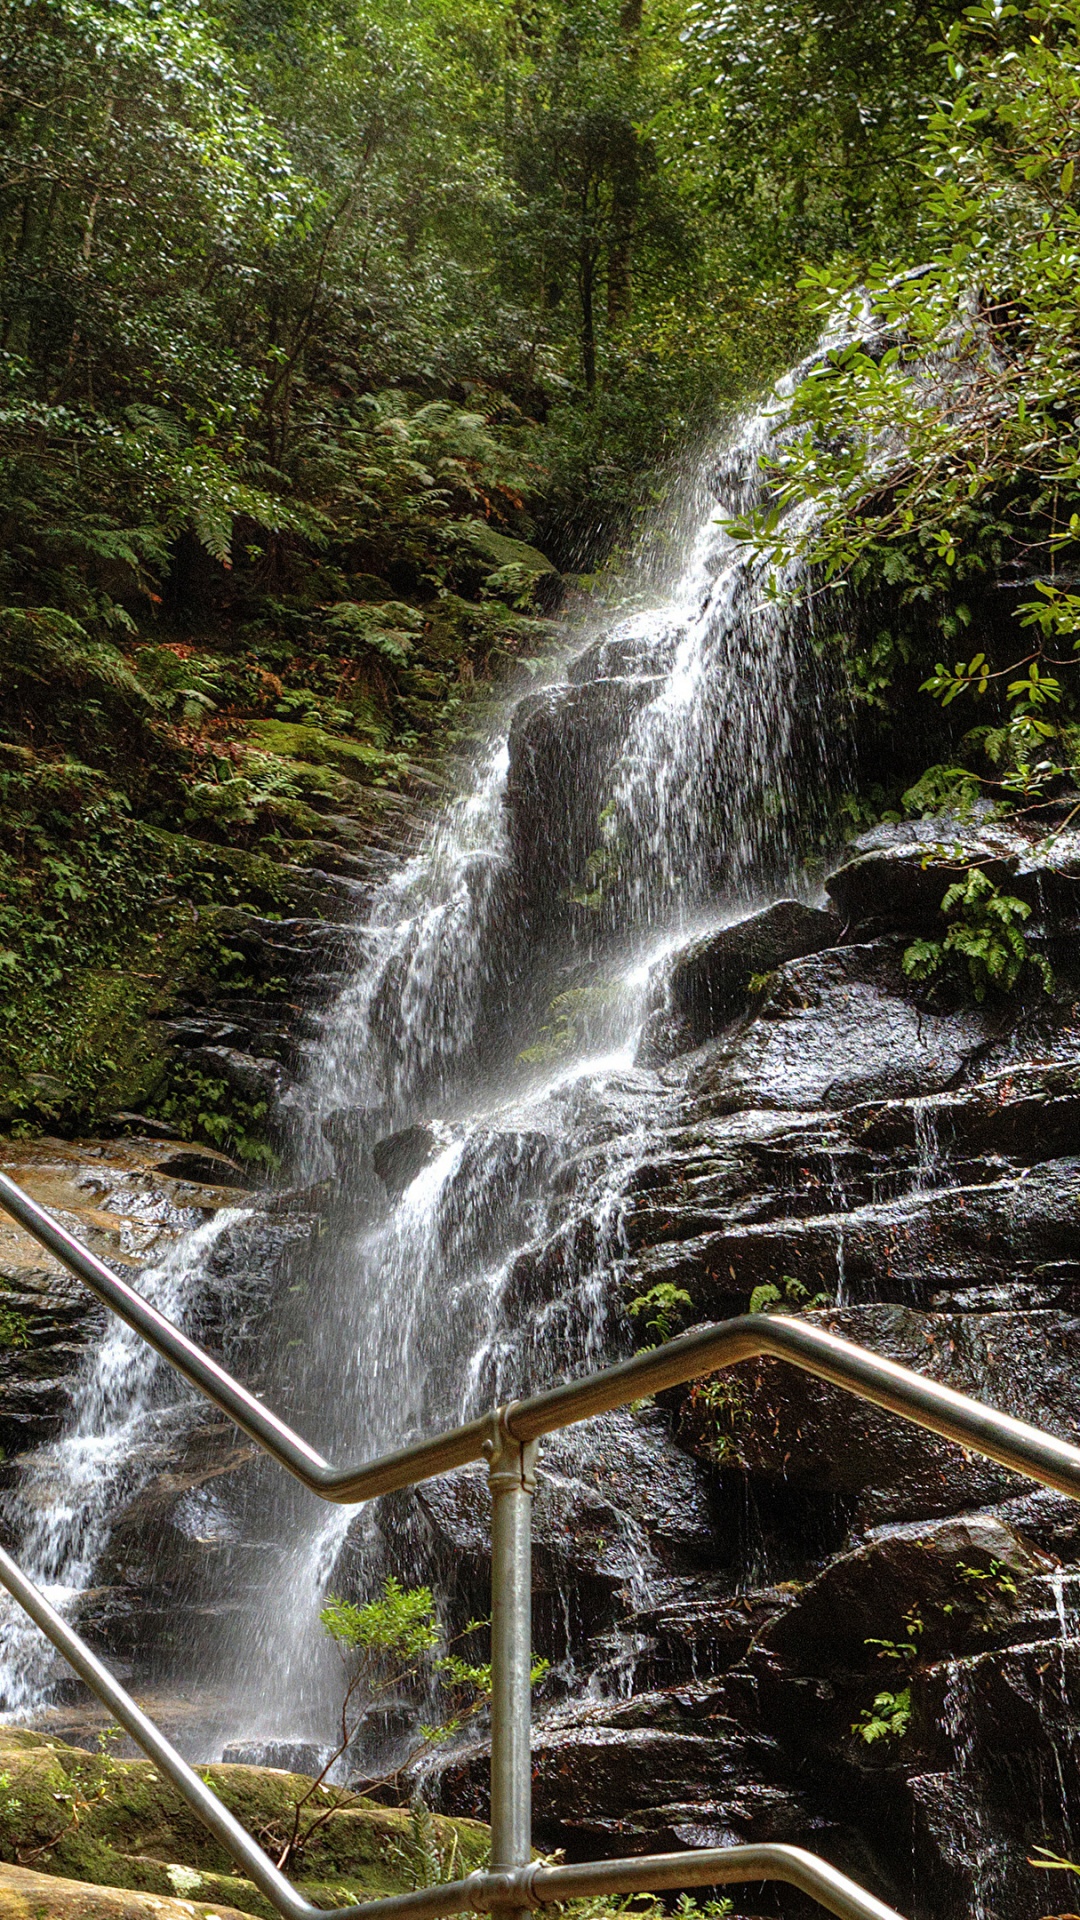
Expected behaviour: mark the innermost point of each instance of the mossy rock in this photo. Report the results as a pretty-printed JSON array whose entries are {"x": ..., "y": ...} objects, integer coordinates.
[
  {"x": 117, "y": 1823},
  {"x": 501, "y": 550},
  {"x": 305, "y": 746}
]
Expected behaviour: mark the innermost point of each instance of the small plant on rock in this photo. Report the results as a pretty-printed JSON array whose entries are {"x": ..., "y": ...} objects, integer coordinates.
[
  {"x": 889, "y": 1717},
  {"x": 788, "y": 1292},
  {"x": 387, "y": 1644},
  {"x": 664, "y": 1304},
  {"x": 984, "y": 942}
]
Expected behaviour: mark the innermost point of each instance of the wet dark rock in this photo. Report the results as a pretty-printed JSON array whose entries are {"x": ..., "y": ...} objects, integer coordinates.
[
  {"x": 950, "y": 1246},
  {"x": 288, "y": 949},
  {"x": 863, "y": 1595},
  {"x": 205, "y": 1166},
  {"x": 898, "y": 875},
  {"x": 696, "y": 1630},
  {"x": 141, "y": 1123},
  {"x": 623, "y": 653},
  {"x": 285, "y": 1756},
  {"x": 709, "y": 982},
  {"x": 167, "y": 1535},
  {"x": 658, "y": 1771},
  {"x": 563, "y": 743},
  {"x": 838, "y": 1028},
  {"x": 401, "y": 1156},
  {"x": 50, "y": 1320},
  {"x": 198, "y": 1030},
  {"x": 635, "y": 1502},
  {"x": 997, "y": 1733},
  {"x": 776, "y": 1421}
]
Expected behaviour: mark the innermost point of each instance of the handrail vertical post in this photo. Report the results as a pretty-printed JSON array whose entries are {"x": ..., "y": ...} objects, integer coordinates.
[{"x": 512, "y": 1478}]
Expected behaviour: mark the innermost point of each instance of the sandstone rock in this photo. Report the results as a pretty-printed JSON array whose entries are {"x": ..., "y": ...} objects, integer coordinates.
[
  {"x": 707, "y": 983},
  {"x": 28, "y": 1895},
  {"x": 205, "y": 1167}
]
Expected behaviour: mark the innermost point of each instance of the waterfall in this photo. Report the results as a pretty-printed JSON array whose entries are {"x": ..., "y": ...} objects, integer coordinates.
[
  {"x": 659, "y": 785},
  {"x": 499, "y": 1006},
  {"x": 128, "y": 1409}
]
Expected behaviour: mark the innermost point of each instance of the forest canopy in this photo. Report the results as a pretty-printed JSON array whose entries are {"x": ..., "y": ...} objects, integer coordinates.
[{"x": 339, "y": 341}]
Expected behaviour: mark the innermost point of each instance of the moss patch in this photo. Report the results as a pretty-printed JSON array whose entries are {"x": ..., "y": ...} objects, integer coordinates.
[{"x": 117, "y": 1823}]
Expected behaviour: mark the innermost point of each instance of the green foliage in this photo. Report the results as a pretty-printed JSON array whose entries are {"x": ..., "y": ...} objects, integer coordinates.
[
  {"x": 389, "y": 1643},
  {"x": 888, "y": 1719},
  {"x": 205, "y": 1108},
  {"x": 1053, "y": 1862},
  {"x": 789, "y": 1293},
  {"x": 648, "y": 1906},
  {"x": 902, "y": 1650},
  {"x": 426, "y": 1857},
  {"x": 14, "y": 1328},
  {"x": 995, "y": 1578},
  {"x": 984, "y": 944},
  {"x": 724, "y": 1403},
  {"x": 399, "y": 1623},
  {"x": 666, "y": 1306},
  {"x": 941, "y": 455},
  {"x": 572, "y": 1013}
]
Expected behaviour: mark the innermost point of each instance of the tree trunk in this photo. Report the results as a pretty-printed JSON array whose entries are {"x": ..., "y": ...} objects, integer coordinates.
[
  {"x": 587, "y": 282},
  {"x": 624, "y": 192}
]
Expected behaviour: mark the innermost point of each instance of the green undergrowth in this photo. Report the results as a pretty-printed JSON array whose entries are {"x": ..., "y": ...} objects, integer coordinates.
[{"x": 161, "y": 768}]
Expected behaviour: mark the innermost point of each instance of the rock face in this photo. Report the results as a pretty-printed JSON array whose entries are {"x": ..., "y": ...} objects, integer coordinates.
[
  {"x": 896, "y": 875},
  {"x": 772, "y": 1611},
  {"x": 858, "y": 1637},
  {"x": 715, "y": 977}
]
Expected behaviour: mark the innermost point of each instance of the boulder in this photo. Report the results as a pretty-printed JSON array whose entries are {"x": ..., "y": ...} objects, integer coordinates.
[
  {"x": 399, "y": 1157},
  {"x": 709, "y": 982},
  {"x": 834, "y": 1029},
  {"x": 897, "y": 875},
  {"x": 502, "y": 550},
  {"x": 90, "y": 1817}
]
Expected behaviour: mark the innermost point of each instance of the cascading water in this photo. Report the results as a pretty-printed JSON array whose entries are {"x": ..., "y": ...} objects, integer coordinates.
[
  {"x": 492, "y": 1026},
  {"x": 128, "y": 1410},
  {"x": 499, "y": 1005}
]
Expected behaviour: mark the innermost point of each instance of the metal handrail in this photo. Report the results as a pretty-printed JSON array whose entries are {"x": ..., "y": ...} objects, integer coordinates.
[
  {"x": 926, "y": 1403},
  {"x": 523, "y": 1888},
  {"x": 507, "y": 1438}
]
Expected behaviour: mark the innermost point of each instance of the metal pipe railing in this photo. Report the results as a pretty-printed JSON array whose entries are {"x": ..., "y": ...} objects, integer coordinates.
[
  {"x": 1012, "y": 1443},
  {"x": 508, "y": 1439}
]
